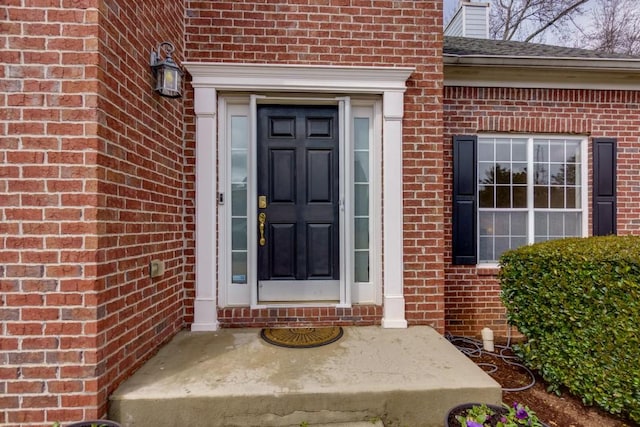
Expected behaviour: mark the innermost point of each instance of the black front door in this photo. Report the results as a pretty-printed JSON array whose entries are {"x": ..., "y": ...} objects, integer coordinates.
[{"x": 298, "y": 200}]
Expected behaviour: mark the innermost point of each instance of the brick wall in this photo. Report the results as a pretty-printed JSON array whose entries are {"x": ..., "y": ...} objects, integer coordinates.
[
  {"x": 140, "y": 169},
  {"x": 90, "y": 190},
  {"x": 48, "y": 187},
  {"x": 353, "y": 32},
  {"x": 472, "y": 295}
]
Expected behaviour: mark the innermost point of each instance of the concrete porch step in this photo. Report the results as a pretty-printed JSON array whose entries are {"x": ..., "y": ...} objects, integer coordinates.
[{"x": 231, "y": 378}]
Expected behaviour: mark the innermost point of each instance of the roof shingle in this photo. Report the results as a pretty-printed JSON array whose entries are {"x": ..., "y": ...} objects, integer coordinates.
[{"x": 464, "y": 46}]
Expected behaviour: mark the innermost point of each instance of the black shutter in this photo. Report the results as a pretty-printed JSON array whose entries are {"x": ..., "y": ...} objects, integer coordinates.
[
  {"x": 464, "y": 199},
  {"x": 604, "y": 186}
]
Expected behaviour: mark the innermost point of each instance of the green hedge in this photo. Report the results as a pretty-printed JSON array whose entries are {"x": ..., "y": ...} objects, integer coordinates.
[{"x": 578, "y": 303}]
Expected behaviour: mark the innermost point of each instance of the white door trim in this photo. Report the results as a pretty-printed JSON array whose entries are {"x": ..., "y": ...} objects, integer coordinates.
[{"x": 207, "y": 78}]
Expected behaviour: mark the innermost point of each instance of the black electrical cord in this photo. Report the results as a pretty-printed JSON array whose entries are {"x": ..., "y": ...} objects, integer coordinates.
[{"x": 474, "y": 348}]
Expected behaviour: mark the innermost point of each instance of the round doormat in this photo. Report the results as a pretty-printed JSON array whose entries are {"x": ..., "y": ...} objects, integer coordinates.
[{"x": 301, "y": 337}]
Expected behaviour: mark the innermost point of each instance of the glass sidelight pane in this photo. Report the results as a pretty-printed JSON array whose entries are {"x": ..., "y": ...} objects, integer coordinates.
[
  {"x": 361, "y": 133},
  {"x": 239, "y": 141},
  {"x": 238, "y": 200},
  {"x": 361, "y": 178},
  {"x": 239, "y": 267},
  {"x": 361, "y": 266},
  {"x": 239, "y": 233},
  {"x": 361, "y": 173},
  {"x": 362, "y": 199},
  {"x": 239, "y": 132},
  {"x": 361, "y": 233},
  {"x": 239, "y": 166}
]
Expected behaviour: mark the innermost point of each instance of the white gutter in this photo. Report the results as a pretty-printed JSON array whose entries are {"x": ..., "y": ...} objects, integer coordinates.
[{"x": 619, "y": 64}]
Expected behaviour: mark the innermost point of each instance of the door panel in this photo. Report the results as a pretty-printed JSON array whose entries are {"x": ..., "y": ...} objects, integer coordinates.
[
  {"x": 319, "y": 251},
  {"x": 283, "y": 250},
  {"x": 319, "y": 176},
  {"x": 282, "y": 166},
  {"x": 298, "y": 173}
]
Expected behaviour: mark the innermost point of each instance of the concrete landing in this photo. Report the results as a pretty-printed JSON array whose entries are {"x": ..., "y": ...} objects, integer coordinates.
[{"x": 232, "y": 378}]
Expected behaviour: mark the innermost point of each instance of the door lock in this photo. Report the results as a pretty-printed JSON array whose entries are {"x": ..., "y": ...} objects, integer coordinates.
[{"x": 262, "y": 202}]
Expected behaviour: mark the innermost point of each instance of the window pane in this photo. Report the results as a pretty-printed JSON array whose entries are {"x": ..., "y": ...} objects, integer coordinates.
[
  {"x": 239, "y": 267},
  {"x": 239, "y": 166},
  {"x": 486, "y": 223},
  {"x": 503, "y": 173},
  {"x": 556, "y": 224},
  {"x": 540, "y": 151},
  {"x": 361, "y": 199},
  {"x": 361, "y": 233},
  {"x": 517, "y": 242},
  {"x": 238, "y": 199},
  {"x": 486, "y": 249},
  {"x": 485, "y": 198},
  {"x": 502, "y": 244},
  {"x": 540, "y": 197},
  {"x": 541, "y": 220},
  {"x": 361, "y": 266},
  {"x": 503, "y": 149},
  {"x": 573, "y": 198},
  {"x": 486, "y": 173},
  {"x": 557, "y": 197},
  {"x": 361, "y": 133},
  {"x": 361, "y": 173},
  {"x": 556, "y": 152},
  {"x": 573, "y": 224},
  {"x": 239, "y": 233},
  {"x": 519, "y": 225},
  {"x": 519, "y": 197},
  {"x": 503, "y": 197},
  {"x": 485, "y": 152},
  {"x": 571, "y": 177},
  {"x": 573, "y": 151},
  {"x": 239, "y": 132},
  {"x": 557, "y": 174},
  {"x": 519, "y": 171},
  {"x": 541, "y": 174},
  {"x": 501, "y": 223},
  {"x": 519, "y": 150}
]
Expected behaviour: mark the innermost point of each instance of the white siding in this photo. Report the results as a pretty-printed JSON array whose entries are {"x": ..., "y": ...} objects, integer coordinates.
[{"x": 470, "y": 20}]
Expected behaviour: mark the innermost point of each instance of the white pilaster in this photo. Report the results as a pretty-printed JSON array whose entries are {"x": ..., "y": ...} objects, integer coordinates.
[
  {"x": 393, "y": 305},
  {"x": 205, "y": 315}
]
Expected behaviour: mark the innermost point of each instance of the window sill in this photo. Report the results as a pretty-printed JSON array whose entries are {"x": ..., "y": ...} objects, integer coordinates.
[{"x": 487, "y": 269}]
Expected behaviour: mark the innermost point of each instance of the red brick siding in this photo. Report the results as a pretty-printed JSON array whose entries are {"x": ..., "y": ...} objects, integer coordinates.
[
  {"x": 140, "y": 167},
  {"x": 353, "y": 32},
  {"x": 245, "y": 317},
  {"x": 48, "y": 194},
  {"x": 472, "y": 295},
  {"x": 91, "y": 188}
]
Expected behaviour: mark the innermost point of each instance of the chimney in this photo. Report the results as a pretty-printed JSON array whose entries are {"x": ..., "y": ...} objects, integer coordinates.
[{"x": 470, "y": 20}]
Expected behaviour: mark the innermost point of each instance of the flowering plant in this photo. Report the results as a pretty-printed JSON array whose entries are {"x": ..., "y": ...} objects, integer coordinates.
[{"x": 509, "y": 416}]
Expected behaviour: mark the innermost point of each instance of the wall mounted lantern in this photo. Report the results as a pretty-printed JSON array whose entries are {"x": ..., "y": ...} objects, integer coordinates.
[{"x": 168, "y": 74}]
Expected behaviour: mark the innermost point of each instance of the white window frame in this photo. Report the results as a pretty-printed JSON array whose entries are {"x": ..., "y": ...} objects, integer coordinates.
[{"x": 584, "y": 181}]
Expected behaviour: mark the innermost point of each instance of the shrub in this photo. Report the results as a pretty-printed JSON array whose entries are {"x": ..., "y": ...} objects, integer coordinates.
[{"x": 578, "y": 303}]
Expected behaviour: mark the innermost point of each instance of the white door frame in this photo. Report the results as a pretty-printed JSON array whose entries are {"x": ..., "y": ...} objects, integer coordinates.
[{"x": 208, "y": 78}]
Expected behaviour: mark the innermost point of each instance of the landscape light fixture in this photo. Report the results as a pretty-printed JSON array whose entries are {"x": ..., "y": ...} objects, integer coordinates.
[{"x": 168, "y": 74}]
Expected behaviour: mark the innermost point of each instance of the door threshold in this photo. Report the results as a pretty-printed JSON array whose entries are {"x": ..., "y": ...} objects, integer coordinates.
[{"x": 299, "y": 304}]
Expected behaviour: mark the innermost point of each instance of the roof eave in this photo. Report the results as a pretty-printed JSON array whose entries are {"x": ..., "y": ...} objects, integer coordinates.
[
  {"x": 621, "y": 64},
  {"x": 564, "y": 73}
]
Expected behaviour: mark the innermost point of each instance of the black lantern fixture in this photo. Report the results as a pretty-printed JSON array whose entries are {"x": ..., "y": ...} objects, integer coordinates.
[{"x": 168, "y": 74}]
